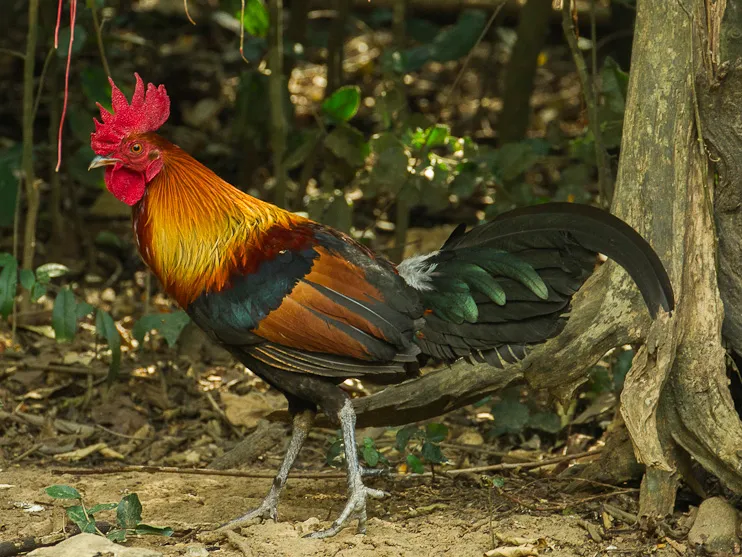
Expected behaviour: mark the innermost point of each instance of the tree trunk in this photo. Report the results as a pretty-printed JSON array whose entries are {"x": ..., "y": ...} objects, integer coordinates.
[{"x": 520, "y": 73}]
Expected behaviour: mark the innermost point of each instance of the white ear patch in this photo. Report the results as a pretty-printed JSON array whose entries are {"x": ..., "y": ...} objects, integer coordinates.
[{"x": 418, "y": 272}]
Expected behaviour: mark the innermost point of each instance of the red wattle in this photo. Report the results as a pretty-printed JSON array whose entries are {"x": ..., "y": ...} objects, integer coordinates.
[{"x": 126, "y": 185}]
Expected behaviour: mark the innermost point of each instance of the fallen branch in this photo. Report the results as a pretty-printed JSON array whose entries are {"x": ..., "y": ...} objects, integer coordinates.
[
  {"x": 64, "y": 426},
  {"x": 312, "y": 475}
]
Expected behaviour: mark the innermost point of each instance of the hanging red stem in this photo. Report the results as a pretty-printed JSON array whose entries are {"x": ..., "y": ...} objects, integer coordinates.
[{"x": 73, "y": 15}]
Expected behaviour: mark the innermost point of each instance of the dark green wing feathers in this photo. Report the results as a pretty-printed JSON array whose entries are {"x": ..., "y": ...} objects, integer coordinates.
[{"x": 506, "y": 284}]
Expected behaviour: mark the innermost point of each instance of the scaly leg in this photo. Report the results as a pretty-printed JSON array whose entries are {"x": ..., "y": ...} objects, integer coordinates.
[
  {"x": 357, "y": 492},
  {"x": 269, "y": 507}
]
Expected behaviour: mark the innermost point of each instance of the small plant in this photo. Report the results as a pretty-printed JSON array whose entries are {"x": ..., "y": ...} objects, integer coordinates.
[
  {"x": 128, "y": 515},
  {"x": 426, "y": 450},
  {"x": 68, "y": 311},
  {"x": 513, "y": 416},
  {"x": 367, "y": 452}
]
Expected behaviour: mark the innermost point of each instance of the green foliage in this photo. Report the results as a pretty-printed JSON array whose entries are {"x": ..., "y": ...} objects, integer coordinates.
[
  {"x": 128, "y": 514},
  {"x": 449, "y": 44},
  {"x": 513, "y": 416},
  {"x": 614, "y": 85},
  {"x": 343, "y": 104},
  {"x": 334, "y": 455},
  {"x": 256, "y": 19},
  {"x": 371, "y": 454},
  {"x": 333, "y": 209},
  {"x": 168, "y": 325},
  {"x": 611, "y": 378},
  {"x": 64, "y": 315},
  {"x": 422, "y": 445},
  {"x": 106, "y": 328},
  {"x": 367, "y": 452},
  {"x": 62, "y": 492},
  {"x": 67, "y": 310},
  {"x": 348, "y": 144},
  {"x": 64, "y": 40}
]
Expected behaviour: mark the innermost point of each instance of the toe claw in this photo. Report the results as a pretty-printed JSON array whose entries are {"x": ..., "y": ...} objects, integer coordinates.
[{"x": 262, "y": 513}]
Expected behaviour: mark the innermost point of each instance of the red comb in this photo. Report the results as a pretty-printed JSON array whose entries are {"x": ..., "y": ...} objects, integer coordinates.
[{"x": 146, "y": 113}]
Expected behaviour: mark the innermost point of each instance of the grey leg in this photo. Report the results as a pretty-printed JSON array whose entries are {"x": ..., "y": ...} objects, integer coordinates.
[
  {"x": 357, "y": 492},
  {"x": 269, "y": 507}
]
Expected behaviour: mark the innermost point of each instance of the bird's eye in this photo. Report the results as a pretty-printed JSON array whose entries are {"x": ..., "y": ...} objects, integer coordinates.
[{"x": 136, "y": 148}]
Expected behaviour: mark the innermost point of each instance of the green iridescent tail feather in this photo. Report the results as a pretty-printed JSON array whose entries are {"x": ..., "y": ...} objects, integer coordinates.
[{"x": 508, "y": 283}]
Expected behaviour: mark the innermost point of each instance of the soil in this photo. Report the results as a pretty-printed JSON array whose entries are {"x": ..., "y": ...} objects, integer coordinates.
[{"x": 416, "y": 519}]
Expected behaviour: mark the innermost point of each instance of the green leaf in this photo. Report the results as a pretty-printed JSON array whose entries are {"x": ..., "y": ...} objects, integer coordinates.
[
  {"x": 169, "y": 325},
  {"x": 37, "y": 291},
  {"x": 102, "y": 507},
  {"x": 64, "y": 40},
  {"x": 435, "y": 433},
  {"x": 305, "y": 143},
  {"x": 389, "y": 171},
  {"x": 348, "y": 143},
  {"x": 404, "y": 435},
  {"x": 83, "y": 309},
  {"x": 256, "y": 19},
  {"x": 332, "y": 209},
  {"x": 467, "y": 180},
  {"x": 333, "y": 457},
  {"x": 62, "y": 492},
  {"x": 370, "y": 454},
  {"x": 494, "y": 481},
  {"x": 117, "y": 535},
  {"x": 86, "y": 523},
  {"x": 511, "y": 416},
  {"x": 437, "y": 135},
  {"x": 108, "y": 239},
  {"x": 452, "y": 43},
  {"x": 614, "y": 85},
  {"x": 10, "y": 163},
  {"x": 106, "y": 328},
  {"x": 48, "y": 271},
  {"x": 414, "y": 464},
  {"x": 432, "y": 454},
  {"x": 64, "y": 315},
  {"x": 513, "y": 159},
  {"x": 343, "y": 104},
  {"x": 545, "y": 421},
  {"x": 129, "y": 511},
  {"x": 621, "y": 368},
  {"x": 147, "y": 530},
  {"x": 95, "y": 86},
  {"x": 8, "y": 285},
  {"x": 27, "y": 279}
]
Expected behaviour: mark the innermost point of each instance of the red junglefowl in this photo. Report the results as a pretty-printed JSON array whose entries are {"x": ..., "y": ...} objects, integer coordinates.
[{"x": 305, "y": 307}]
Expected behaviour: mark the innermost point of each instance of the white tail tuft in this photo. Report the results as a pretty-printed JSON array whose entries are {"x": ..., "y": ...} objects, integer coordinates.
[{"x": 418, "y": 272}]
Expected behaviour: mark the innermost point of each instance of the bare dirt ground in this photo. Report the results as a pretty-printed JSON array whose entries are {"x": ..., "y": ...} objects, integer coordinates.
[{"x": 417, "y": 519}]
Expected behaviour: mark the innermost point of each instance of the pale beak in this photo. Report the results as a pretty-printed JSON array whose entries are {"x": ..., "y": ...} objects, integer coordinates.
[{"x": 102, "y": 161}]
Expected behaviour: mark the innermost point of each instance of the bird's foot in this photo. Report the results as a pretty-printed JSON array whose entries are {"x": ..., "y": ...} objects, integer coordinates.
[
  {"x": 268, "y": 510},
  {"x": 354, "y": 508}
]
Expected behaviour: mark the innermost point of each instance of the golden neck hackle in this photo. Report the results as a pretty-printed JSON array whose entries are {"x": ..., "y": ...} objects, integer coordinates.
[{"x": 193, "y": 228}]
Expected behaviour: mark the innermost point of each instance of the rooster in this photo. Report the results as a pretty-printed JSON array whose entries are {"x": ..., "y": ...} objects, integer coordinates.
[{"x": 305, "y": 307}]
